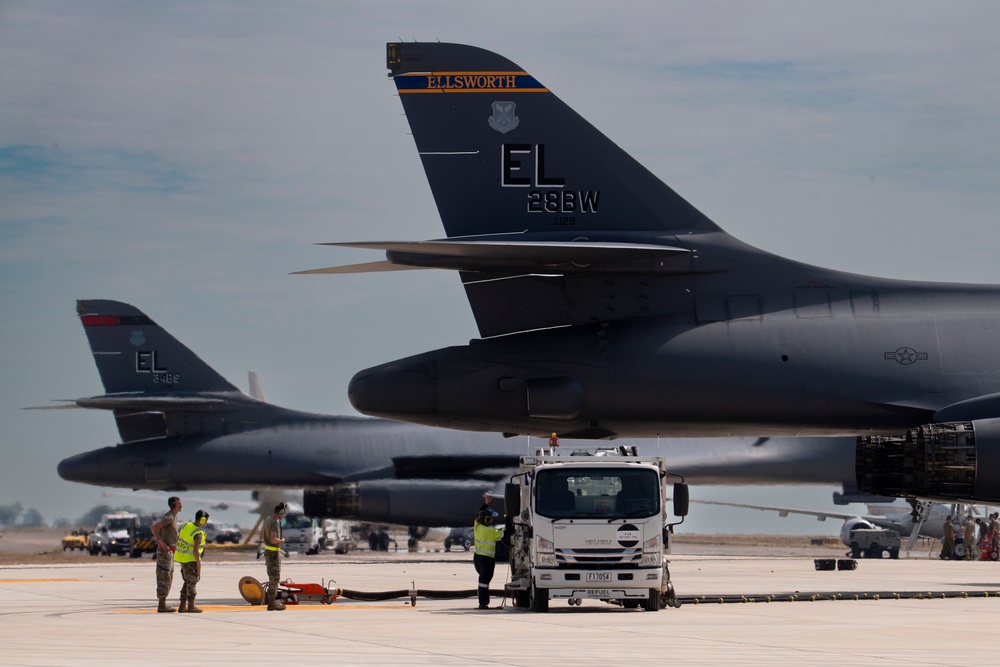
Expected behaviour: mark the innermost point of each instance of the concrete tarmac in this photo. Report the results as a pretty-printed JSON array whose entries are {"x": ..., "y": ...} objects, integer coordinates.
[{"x": 102, "y": 612}]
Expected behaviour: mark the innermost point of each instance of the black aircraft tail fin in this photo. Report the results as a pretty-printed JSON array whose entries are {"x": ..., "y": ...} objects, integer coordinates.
[
  {"x": 504, "y": 155},
  {"x": 135, "y": 355},
  {"x": 152, "y": 382}
]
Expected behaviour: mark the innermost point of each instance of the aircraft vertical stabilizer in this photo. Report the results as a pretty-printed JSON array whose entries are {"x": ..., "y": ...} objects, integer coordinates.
[
  {"x": 480, "y": 121},
  {"x": 134, "y": 354}
]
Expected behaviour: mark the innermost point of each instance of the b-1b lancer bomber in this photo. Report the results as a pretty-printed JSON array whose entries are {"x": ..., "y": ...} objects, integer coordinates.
[
  {"x": 185, "y": 427},
  {"x": 609, "y": 306}
]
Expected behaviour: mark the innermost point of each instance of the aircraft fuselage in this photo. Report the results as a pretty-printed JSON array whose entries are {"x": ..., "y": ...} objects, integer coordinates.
[{"x": 796, "y": 350}]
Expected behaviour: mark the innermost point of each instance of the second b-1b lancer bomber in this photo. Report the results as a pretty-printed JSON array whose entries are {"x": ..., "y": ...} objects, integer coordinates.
[
  {"x": 185, "y": 427},
  {"x": 610, "y": 306}
]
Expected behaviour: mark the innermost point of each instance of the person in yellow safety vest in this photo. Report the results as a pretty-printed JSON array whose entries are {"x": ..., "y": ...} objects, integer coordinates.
[
  {"x": 190, "y": 545},
  {"x": 270, "y": 533},
  {"x": 484, "y": 559}
]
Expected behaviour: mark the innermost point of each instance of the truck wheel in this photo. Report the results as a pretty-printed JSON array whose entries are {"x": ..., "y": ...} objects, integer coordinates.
[
  {"x": 522, "y": 599},
  {"x": 894, "y": 553},
  {"x": 855, "y": 550},
  {"x": 539, "y": 599},
  {"x": 652, "y": 603},
  {"x": 875, "y": 551}
]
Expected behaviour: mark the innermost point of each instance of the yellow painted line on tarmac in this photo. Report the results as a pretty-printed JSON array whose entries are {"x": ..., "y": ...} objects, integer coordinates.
[{"x": 51, "y": 581}]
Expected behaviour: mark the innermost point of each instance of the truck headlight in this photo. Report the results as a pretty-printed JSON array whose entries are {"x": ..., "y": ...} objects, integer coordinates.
[
  {"x": 651, "y": 553},
  {"x": 546, "y": 553}
]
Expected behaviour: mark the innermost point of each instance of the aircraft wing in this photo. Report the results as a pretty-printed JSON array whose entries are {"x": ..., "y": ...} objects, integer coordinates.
[
  {"x": 458, "y": 467},
  {"x": 784, "y": 511},
  {"x": 263, "y": 505},
  {"x": 887, "y": 522}
]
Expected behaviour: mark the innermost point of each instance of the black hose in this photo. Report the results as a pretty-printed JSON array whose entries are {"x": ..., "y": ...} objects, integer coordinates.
[
  {"x": 421, "y": 593},
  {"x": 816, "y": 597},
  {"x": 371, "y": 596}
]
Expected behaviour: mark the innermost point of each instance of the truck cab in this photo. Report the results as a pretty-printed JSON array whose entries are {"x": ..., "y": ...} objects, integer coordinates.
[
  {"x": 590, "y": 523},
  {"x": 113, "y": 534},
  {"x": 302, "y": 533}
]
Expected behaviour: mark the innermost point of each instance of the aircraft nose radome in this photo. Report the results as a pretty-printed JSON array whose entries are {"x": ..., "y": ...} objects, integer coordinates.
[
  {"x": 81, "y": 468},
  {"x": 397, "y": 389}
]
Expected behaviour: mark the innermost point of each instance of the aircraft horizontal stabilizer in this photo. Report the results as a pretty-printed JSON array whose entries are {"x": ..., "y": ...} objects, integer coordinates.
[
  {"x": 160, "y": 403},
  {"x": 491, "y": 255},
  {"x": 368, "y": 267},
  {"x": 64, "y": 404}
]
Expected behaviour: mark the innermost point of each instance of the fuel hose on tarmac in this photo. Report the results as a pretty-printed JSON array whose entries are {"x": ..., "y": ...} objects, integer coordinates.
[
  {"x": 371, "y": 596},
  {"x": 828, "y": 596},
  {"x": 252, "y": 592}
]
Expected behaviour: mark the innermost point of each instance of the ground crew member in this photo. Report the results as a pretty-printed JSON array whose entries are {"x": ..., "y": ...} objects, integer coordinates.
[
  {"x": 484, "y": 559},
  {"x": 165, "y": 533},
  {"x": 969, "y": 538},
  {"x": 190, "y": 545},
  {"x": 270, "y": 533},
  {"x": 948, "y": 541},
  {"x": 995, "y": 531}
]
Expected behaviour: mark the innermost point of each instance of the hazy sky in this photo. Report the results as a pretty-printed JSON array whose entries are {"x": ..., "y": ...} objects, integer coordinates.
[{"x": 185, "y": 156}]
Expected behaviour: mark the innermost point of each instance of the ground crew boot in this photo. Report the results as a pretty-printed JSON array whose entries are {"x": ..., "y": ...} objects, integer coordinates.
[
  {"x": 184, "y": 602},
  {"x": 163, "y": 606},
  {"x": 275, "y": 605},
  {"x": 191, "y": 608}
]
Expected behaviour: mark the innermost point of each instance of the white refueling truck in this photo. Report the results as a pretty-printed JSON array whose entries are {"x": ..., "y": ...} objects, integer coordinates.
[
  {"x": 302, "y": 534},
  {"x": 591, "y": 523}
]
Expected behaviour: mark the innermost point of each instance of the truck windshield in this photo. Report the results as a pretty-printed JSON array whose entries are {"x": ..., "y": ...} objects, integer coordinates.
[
  {"x": 296, "y": 521},
  {"x": 604, "y": 493},
  {"x": 119, "y": 524}
]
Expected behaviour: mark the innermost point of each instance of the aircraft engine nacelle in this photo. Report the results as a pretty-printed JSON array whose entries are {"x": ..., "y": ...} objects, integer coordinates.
[
  {"x": 954, "y": 461},
  {"x": 413, "y": 502},
  {"x": 854, "y": 523}
]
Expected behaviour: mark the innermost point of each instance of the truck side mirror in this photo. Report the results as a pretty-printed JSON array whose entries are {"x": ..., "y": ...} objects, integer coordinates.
[
  {"x": 512, "y": 499},
  {"x": 681, "y": 499}
]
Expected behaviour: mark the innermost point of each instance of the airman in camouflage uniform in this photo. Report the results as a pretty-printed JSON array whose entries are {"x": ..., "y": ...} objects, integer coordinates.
[
  {"x": 969, "y": 539},
  {"x": 948, "y": 541},
  {"x": 270, "y": 533},
  {"x": 165, "y": 533},
  {"x": 190, "y": 546}
]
